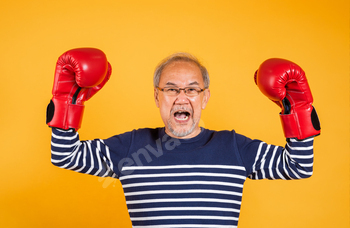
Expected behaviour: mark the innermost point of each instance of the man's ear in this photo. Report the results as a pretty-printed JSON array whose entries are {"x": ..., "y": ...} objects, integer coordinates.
[
  {"x": 206, "y": 97},
  {"x": 156, "y": 97}
]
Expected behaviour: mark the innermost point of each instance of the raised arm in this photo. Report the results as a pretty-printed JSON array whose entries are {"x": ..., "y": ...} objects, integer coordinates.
[
  {"x": 285, "y": 83},
  {"x": 89, "y": 157},
  {"x": 80, "y": 73},
  {"x": 266, "y": 161}
]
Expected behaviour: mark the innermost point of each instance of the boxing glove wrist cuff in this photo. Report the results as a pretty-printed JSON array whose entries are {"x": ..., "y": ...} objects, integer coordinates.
[
  {"x": 301, "y": 124},
  {"x": 63, "y": 115}
]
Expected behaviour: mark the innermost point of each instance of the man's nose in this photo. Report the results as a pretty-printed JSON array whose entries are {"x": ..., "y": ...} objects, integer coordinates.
[{"x": 181, "y": 97}]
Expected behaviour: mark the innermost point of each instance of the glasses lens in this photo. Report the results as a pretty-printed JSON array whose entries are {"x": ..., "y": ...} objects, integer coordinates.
[
  {"x": 171, "y": 91},
  {"x": 192, "y": 91},
  {"x": 189, "y": 91}
]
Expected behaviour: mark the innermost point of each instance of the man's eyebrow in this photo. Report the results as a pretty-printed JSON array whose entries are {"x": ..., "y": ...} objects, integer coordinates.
[
  {"x": 194, "y": 83},
  {"x": 170, "y": 83},
  {"x": 174, "y": 84}
]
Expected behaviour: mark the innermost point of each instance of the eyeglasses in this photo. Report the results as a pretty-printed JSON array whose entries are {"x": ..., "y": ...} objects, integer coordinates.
[{"x": 174, "y": 91}]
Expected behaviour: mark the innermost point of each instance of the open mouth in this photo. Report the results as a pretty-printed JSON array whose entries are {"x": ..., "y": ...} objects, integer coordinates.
[{"x": 181, "y": 115}]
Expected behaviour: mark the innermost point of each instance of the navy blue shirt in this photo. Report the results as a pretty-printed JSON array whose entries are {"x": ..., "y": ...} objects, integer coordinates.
[{"x": 171, "y": 182}]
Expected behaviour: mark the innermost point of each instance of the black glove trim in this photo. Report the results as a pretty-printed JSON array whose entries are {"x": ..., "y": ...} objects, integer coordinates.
[
  {"x": 314, "y": 119},
  {"x": 50, "y": 110}
]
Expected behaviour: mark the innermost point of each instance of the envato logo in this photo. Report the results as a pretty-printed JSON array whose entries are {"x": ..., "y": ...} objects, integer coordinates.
[
  {"x": 107, "y": 181},
  {"x": 157, "y": 151},
  {"x": 146, "y": 152}
]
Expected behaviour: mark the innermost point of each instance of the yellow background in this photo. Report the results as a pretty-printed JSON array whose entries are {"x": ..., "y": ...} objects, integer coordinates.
[{"x": 231, "y": 38}]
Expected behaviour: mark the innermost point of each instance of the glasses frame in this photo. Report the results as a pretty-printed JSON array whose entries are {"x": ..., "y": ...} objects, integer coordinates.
[{"x": 184, "y": 89}]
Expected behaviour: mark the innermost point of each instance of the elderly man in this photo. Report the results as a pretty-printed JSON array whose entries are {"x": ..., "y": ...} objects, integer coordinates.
[{"x": 181, "y": 175}]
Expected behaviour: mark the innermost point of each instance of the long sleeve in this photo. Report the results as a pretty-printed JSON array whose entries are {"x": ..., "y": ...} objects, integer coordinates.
[
  {"x": 92, "y": 157},
  {"x": 265, "y": 161},
  {"x": 195, "y": 182}
]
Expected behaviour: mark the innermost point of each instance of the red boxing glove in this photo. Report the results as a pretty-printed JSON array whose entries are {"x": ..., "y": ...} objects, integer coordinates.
[
  {"x": 285, "y": 83},
  {"x": 80, "y": 73}
]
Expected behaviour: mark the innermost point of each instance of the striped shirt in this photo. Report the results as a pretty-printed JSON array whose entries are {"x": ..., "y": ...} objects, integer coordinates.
[{"x": 170, "y": 182}]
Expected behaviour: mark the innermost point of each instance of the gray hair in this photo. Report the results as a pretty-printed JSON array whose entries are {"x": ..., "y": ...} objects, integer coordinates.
[{"x": 180, "y": 56}]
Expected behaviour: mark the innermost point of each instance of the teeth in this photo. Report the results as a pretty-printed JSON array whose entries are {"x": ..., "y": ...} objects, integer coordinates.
[{"x": 186, "y": 117}]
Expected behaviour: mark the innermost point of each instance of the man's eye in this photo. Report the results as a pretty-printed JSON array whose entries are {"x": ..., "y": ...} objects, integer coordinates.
[
  {"x": 192, "y": 90},
  {"x": 171, "y": 90}
]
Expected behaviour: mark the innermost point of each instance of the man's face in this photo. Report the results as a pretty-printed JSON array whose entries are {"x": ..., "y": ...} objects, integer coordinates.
[{"x": 181, "y": 113}]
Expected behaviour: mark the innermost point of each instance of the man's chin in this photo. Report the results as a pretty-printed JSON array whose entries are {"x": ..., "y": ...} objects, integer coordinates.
[{"x": 182, "y": 132}]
